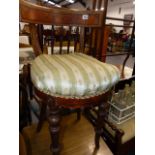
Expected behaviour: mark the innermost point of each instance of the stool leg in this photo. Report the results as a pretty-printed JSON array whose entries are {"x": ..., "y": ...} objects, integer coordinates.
[
  {"x": 54, "y": 126},
  {"x": 78, "y": 114},
  {"x": 100, "y": 123},
  {"x": 30, "y": 85},
  {"x": 42, "y": 116}
]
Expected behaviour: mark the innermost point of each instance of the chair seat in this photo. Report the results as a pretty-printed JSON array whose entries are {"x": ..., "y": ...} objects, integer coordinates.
[{"x": 72, "y": 75}]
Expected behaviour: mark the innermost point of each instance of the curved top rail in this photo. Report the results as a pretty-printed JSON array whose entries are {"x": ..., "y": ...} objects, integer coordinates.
[{"x": 33, "y": 12}]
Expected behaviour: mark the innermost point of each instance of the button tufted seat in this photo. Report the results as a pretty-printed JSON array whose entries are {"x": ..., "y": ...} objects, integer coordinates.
[{"x": 72, "y": 75}]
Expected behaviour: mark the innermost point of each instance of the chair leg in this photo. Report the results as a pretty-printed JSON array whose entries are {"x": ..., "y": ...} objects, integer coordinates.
[
  {"x": 78, "y": 114},
  {"x": 100, "y": 123},
  {"x": 54, "y": 126},
  {"x": 30, "y": 90},
  {"x": 42, "y": 116},
  {"x": 29, "y": 113},
  {"x": 30, "y": 85}
]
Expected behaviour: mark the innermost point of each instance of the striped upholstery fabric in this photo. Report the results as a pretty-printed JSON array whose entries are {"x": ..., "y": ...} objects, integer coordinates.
[{"x": 72, "y": 75}]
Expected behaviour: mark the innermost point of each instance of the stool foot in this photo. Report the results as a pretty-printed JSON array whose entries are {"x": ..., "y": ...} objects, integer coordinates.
[
  {"x": 54, "y": 126},
  {"x": 78, "y": 114}
]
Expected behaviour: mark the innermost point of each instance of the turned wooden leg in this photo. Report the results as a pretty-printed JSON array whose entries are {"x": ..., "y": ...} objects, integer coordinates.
[
  {"x": 30, "y": 85},
  {"x": 100, "y": 123},
  {"x": 31, "y": 90},
  {"x": 42, "y": 116},
  {"x": 78, "y": 114},
  {"x": 54, "y": 126}
]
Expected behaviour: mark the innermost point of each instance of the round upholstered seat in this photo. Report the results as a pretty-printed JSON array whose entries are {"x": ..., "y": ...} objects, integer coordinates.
[{"x": 72, "y": 75}]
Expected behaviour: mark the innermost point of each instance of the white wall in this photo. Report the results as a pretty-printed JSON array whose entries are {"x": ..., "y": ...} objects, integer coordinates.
[{"x": 126, "y": 6}]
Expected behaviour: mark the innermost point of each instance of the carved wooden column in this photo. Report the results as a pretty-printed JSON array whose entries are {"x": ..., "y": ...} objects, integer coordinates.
[
  {"x": 102, "y": 114},
  {"x": 82, "y": 39},
  {"x": 100, "y": 124},
  {"x": 54, "y": 122},
  {"x": 40, "y": 29},
  {"x": 78, "y": 114}
]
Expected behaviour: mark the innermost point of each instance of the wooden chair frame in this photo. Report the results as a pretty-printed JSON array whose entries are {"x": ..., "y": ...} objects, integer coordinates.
[{"x": 36, "y": 14}]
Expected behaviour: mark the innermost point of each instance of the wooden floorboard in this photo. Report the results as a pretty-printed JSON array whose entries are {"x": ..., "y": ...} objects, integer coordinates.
[{"x": 76, "y": 137}]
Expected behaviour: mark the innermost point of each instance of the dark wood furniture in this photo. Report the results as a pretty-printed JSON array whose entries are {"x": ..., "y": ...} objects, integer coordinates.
[
  {"x": 24, "y": 107},
  {"x": 35, "y": 14},
  {"x": 111, "y": 133}
]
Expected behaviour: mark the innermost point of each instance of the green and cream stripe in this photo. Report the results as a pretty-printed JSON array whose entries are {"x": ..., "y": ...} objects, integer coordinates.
[{"x": 72, "y": 75}]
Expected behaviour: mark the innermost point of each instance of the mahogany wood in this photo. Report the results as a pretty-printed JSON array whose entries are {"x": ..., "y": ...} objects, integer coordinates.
[
  {"x": 68, "y": 39},
  {"x": 54, "y": 120},
  {"x": 61, "y": 39},
  {"x": 76, "y": 39},
  {"x": 99, "y": 4},
  {"x": 103, "y": 28},
  {"x": 24, "y": 107},
  {"x": 40, "y": 35},
  {"x": 37, "y": 14},
  {"x": 35, "y": 40},
  {"x": 75, "y": 102},
  {"x": 82, "y": 39},
  {"x": 94, "y": 4},
  {"x": 105, "y": 43},
  {"x": 100, "y": 123},
  {"x": 52, "y": 40},
  {"x": 33, "y": 13}
]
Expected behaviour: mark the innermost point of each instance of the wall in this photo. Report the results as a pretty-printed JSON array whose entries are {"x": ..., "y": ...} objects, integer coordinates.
[
  {"x": 126, "y": 7},
  {"x": 77, "y": 6}
]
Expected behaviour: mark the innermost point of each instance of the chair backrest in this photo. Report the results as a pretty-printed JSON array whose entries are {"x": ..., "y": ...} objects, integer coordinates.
[{"x": 35, "y": 14}]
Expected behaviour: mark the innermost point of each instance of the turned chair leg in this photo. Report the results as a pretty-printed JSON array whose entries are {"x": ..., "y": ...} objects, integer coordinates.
[
  {"x": 99, "y": 126},
  {"x": 42, "y": 116},
  {"x": 31, "y": 90},
  {"x": 78, "y": 112},
  {"x": 30, "y": 85},
  {"x": 54, "y": 126}
]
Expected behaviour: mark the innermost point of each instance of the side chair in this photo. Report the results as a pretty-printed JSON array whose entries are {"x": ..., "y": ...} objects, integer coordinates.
[{"x": 70, "y": 80}]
